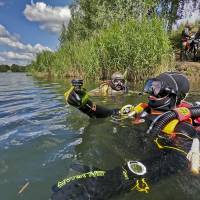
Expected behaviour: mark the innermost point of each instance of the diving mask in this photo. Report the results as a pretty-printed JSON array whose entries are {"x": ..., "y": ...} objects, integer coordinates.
[{"x": 156, "y": 88}]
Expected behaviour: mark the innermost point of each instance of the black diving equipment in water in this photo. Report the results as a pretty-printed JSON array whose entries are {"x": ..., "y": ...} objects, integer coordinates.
[
  {"x": 157, "y": 88},
  {"x": 97, "y": 184}
]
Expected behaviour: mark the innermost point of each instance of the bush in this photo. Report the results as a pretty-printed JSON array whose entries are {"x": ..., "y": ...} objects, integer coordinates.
[{"x": 134, "y": 44}]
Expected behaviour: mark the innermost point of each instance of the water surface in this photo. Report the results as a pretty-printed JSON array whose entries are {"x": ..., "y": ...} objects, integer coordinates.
[{"x": 40, "y": 136}]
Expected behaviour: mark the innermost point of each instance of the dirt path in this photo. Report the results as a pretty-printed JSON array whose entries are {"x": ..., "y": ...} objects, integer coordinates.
[
  {"x": 192, "y": 70},
  {"x": 186, "y": 65}
]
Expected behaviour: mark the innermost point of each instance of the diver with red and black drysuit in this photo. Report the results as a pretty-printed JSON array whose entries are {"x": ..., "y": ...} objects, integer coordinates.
[{"x": 173, "y": 132}]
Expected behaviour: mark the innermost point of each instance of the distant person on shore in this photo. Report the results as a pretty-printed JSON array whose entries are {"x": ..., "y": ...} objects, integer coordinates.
[{"x": 186, "y": 36}]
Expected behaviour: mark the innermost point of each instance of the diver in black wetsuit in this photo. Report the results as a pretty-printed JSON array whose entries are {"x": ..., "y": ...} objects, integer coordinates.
[
  {"x": 98, "y": 184},
  {"x": 171, "y": 133}
]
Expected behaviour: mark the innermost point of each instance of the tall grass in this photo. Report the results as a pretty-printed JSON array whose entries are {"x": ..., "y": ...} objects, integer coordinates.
[{"x": 133, "y": 45}]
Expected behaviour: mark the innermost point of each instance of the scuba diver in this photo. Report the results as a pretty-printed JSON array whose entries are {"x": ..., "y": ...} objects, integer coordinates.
[
  {"x": 167, "y": 91},
  {"x": 117, "y": 85},
  {"x": 186, "y": 36},
  {"x": 138, "y": 176},
  {"x": 188, "y": 49},
  {"x": 173, "y": 133}
]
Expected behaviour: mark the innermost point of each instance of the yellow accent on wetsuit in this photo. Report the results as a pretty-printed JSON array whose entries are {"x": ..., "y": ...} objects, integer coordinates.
[
  {"x": 169, "y": 128},
  {"x": 103, "y": 88},
  {"x": 141, "y": 186}
]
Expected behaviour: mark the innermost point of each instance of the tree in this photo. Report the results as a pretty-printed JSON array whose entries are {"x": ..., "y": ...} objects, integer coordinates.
[{"x": 90, "y": 16}]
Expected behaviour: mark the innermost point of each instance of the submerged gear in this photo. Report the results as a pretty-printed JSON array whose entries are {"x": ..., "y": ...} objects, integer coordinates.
[
  {"x": 166, "y": 90},
  {"x": 105, "y": 184}
]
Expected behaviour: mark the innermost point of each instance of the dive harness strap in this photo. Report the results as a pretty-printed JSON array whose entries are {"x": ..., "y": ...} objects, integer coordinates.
[{"x": 160, "y": 146}]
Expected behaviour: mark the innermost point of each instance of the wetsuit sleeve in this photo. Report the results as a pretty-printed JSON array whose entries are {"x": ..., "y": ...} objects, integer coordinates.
[{"x": 96, "y": 111}]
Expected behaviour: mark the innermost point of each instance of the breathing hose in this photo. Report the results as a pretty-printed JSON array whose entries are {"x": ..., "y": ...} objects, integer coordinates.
[{"x": 159, "y": 123}]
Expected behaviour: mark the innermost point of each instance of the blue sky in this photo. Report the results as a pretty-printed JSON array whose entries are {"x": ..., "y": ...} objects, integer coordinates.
[{"x": 30, "y": 26}]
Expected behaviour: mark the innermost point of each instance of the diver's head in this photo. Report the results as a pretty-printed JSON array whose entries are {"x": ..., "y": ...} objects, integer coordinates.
[
  {"x": 166, "y": 90},
  {"x": 117, "y": 81}
]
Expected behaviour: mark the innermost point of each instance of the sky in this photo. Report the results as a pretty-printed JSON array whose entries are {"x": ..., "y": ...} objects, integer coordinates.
[{"x": 28, "y": 27}]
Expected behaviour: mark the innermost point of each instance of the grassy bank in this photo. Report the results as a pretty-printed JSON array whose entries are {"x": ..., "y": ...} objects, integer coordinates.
[{"x": 136, "y": 45}]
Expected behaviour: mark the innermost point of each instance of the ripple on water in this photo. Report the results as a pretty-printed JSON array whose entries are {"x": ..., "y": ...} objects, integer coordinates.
[{"x": 29, "y": 110}]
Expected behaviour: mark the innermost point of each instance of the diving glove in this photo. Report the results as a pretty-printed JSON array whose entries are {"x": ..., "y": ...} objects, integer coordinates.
[{"x": 76, "y": 98}]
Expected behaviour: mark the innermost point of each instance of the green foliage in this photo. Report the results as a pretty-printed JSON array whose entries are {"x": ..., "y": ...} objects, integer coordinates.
[
  {"x": 134, "y": 44},
  {"x": 4, "y": 68},
  {"x": 90, "y": 16},
  {"x": 43, "y": 61},
  {"x": 104, "y": 36},
  {"x": 12, "y": 68},
  {"x": 17, "y": 68},
  {"x": 176, "y": 36}
]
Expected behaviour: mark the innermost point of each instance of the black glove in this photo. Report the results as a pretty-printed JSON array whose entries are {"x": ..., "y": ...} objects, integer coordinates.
[
  {"x": 80, "y": 100},
  {"x": 76, "y": 98}
]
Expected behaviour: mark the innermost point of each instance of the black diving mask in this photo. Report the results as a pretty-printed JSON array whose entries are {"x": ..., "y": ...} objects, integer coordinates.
[
  {"x": 118, "y": 84},
  {"x": 157, "y": 88},
  {"x": 119, "y": 81}
]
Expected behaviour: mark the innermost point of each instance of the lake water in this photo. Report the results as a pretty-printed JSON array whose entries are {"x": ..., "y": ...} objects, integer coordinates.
[{"x": 41, "y": 136}]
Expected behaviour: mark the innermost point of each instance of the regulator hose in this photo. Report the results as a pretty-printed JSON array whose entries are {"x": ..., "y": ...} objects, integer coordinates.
[{"x": 159, "y": 123}]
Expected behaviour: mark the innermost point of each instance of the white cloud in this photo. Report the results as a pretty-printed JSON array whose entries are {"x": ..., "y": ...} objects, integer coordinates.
[
  {"x": 2, "y": 3},
  {"x": 25, "y": 52},
  {"x": 17, "y": 56},
  {"x": 2, "y": 59},
  {"x": 50, "y": 18},
  {"x": 20, "y": 58},
  {"x": 7, "y": 39}
]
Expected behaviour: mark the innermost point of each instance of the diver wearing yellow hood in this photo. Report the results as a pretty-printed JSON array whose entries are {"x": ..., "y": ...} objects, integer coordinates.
[{"x": 115, "y": 86}]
